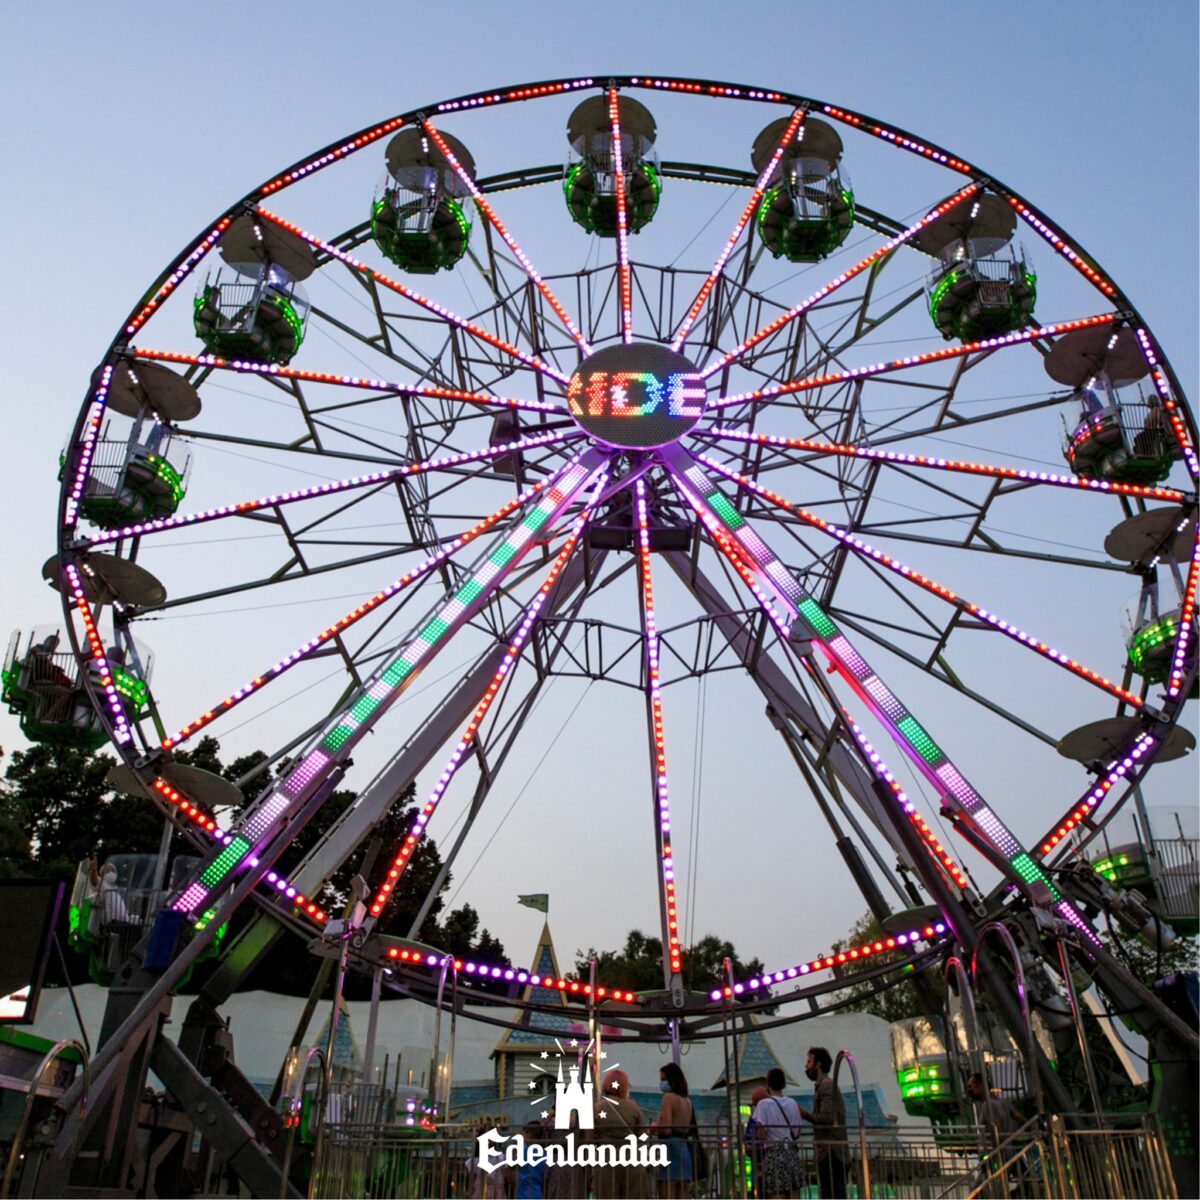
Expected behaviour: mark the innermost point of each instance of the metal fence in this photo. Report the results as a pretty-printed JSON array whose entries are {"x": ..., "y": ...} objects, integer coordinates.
[{"x": 1077, "y": 1157}]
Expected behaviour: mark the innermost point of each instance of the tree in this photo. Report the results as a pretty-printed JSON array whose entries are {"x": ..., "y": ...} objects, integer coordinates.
[
  {"x": 639, "y": 965},
  {"x": 898, "y": 1003}
]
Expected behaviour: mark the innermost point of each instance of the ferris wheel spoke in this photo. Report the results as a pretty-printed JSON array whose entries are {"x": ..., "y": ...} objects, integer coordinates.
[
  {"x": 317, "y": 491},
  {"x": 511, "y": 658},
  {"x": 263, "y": 821},
  {"x": 623, "y": 272},
  {"x": 925, "y": 462},
  {"x": 718, "y": 267},
  {"x": 485, "y": 207},
  {"x": 668, "y": 901},
  {"x": 273, "y": 371},
  {"x": 773, "y": 391},
  {"x": 439, "y": 310},
  {"x": 334, "y": 631},
  {"x": 869, "y": 554},
  {"x": 838, "y": 281},
  {"x": 788, "y": 604}
]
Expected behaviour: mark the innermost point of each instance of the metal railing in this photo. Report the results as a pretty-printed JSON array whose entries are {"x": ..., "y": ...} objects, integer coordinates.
[{"x": 1078, "y": 1157}]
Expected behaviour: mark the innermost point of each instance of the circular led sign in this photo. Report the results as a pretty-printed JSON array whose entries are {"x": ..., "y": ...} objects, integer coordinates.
[{"x": 636, "y": 396}]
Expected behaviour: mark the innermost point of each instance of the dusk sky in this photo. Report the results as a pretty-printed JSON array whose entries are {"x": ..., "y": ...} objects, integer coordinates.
[{"x": 131, "y": 127}]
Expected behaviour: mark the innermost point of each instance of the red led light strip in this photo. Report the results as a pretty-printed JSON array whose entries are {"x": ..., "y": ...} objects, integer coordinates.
[
  {"x": 834, "y": 959},
  {"x": 509, "y": 974},
  {"x": 760, "y": 187},
  {"x": 934, "y": 588},
  {"x": 509, "y": 240},
  {"x": 99, "y": 663},
  {"x": 200, "y": 816},
  {"x": 614, "y": 117},
  {"x": 662, "y": 804},
  {"x": 832, "y": 286},
  {"x": 944, "y": 464},
  {"x": 1063, "y": 247},
  {"x": 351, "y": 381},
  {"x": 531, "y": 92},
  {"x": 177, "y": 276},
  {"x": 1125, "y": 765},
  {"x": 867, "y": 125},
  {"x": 1164, "y": 391},
  {"x": 880, "y": 768},
  {"x": 700, "y": 88},
  {"x": 1187, "y": 624},
  {"x": 941, "y": 354},
  {"x": 409, "y": 294},
  {"x": 317, "y": 490},
  {"x": 467, "y": 739},
  {"x": 365, "y": 138},
  {"x": 260, "y": 681}
]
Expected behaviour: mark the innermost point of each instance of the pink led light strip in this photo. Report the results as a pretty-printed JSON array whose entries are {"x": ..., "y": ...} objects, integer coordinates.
[
  {"x": 836, "y": 958},
  {"x": 1063, "y": 247},
  {"x": 98, "y": 667},
  {"x": 507, "y": 974},
  {"x": 614, "y": 117},
  {"x": 365, "y": 138},
  {"x": 177, "y": 276},
  {"x": 509, "y": 240},
  {"x": 865, "y": 549},
  {"x": 512, "y": 655},
  {"x": 945, "y": 464},
  {"x": 941, "y": 354},
  {"x": 662, "y": 814},
  {"x": 1123, "y": 766},
  {"x": 1164, "y": 390},
  {"x": 409, "y": 294},
  {"x": 397, "y": 585},
  {"x": 325, "y": 489},
  {"x": 760, "y": 187},
  {"x": 867, "y": 125},
  {"x": 351, "y": 381},
  {"x": 832, "y": 286}
]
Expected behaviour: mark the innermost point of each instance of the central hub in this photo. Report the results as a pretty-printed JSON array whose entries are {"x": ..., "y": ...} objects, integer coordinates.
[{"x": 636, "y": 396}]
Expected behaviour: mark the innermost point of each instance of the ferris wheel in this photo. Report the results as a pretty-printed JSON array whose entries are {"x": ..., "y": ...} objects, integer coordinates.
[{"x": 634, "y": 409}]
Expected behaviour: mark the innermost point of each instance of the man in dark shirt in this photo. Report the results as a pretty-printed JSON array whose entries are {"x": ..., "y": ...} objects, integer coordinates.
[{"x": 828, "y": 1119}]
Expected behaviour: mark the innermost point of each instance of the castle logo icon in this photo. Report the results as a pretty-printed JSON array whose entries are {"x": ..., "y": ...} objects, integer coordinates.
[{"x": 574, "y": 1097}]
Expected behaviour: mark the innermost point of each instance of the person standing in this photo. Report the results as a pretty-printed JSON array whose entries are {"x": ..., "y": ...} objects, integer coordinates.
[
  {"x": 674, "y": 1126},
  {"x": 616, "y": 1117},
  {"x": 777, "y": 1124},
  {"x": 828, "y": 1119}
]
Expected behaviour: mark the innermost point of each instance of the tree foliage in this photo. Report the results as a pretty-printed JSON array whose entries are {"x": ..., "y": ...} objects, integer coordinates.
[
  {"x": 638, "y": 965},
  {"x": 57, "y": 810},
  {"x": 898, "y": 1003}
]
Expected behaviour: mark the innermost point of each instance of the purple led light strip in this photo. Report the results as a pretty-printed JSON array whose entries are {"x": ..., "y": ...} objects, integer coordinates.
[
  {"x": 509, "y": 240},
  {"x": 87, "y": 447},
  {"x": 326, "y": 489},
  {"x": 942, "y": 464},
  {"x": 512, "y": 656},
  {"x": 356, "y": 614},
  {"x": 941, "y": 354},
  {"x": 1164, "y": 390},
  {"x": 718, "y": 269},
  {"x": 614, "y": 116},
  {"x": 866, "y": 550},
  {"x": 658, "y": 751},
  {"x": 409, "y": 294},
  {"x": 98, "y": 665},
  {"x": 352, "y": 381},
  {"x": 845, "y": 277}
]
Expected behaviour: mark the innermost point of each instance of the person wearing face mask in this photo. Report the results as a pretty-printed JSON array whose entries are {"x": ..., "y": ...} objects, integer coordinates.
[
  {"x": 828, "y": 1119},
  {"x": 109, "y": 905},
  {"x": 674, "y": 1127}
]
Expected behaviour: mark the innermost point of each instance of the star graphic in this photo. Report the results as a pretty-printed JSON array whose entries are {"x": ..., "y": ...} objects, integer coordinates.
[
  {"x": 574, "y": 1042},
  {"x": 616, "y": 1085},
  {"x": 533, "y": 1085},
  {"x": 545, "y": 1116},
  {"x": 603, "y": 1053},
  {"x": 603, "y": 1114},
  {"x": 545, "y": 1053}
]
